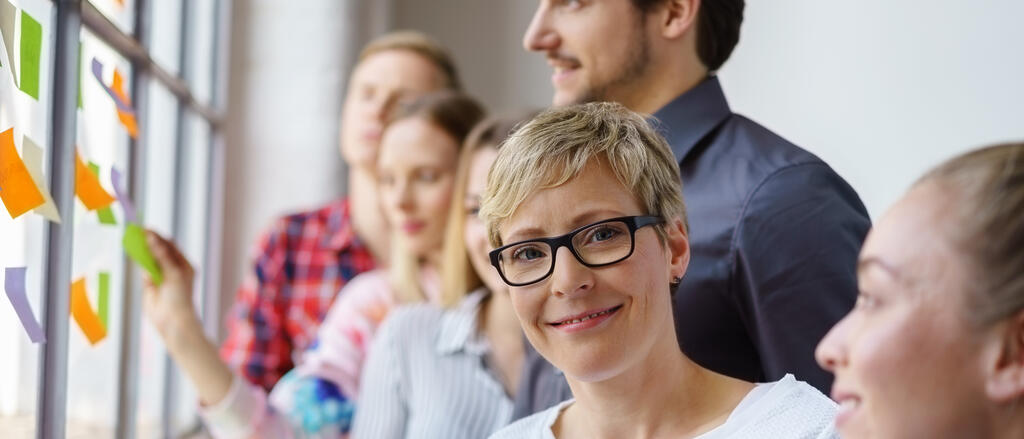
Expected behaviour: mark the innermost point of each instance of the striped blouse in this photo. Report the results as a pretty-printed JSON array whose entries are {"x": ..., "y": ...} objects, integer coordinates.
[{"x": 426, "y": 377}]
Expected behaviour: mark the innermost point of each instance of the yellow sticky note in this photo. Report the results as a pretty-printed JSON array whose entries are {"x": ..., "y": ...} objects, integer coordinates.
[
  {"x": 84, "y": 315},
  {"x": 17, "y": 189},
  {"x": 33, "y": 155},
  {"x": 88, "y": 188}
]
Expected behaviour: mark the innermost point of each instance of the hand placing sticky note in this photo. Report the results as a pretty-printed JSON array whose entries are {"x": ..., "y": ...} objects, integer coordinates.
[
  {"x": 14, "y": 284},
  {"x": 84, "y": 316},
  {"x": 19, "y": 193},
  {"x": 138, "y": 250}
]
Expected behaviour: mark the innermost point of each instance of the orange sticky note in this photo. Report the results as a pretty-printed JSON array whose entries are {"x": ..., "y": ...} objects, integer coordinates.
[
  {"x": 88, "y": 188},
  {"x": 84, "y": 315},
  {"x": 127, "y": 119},
  {"x": 17, "y": 189}
]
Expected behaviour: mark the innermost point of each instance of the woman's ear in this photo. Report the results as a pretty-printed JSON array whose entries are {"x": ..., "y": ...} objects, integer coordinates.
[
  {"x": 1004, "y": 370},
  {"x": 678, "y": 246}
]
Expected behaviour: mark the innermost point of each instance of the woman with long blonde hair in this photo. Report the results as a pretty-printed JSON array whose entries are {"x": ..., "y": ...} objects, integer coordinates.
[{"x": 450, "y": 371}]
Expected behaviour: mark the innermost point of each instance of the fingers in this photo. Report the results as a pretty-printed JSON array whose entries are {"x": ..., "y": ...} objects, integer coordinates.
[{"x": 166, "y": 253}]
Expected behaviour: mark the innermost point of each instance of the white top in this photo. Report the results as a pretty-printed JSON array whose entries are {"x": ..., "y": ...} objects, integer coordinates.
[
  {"x": 784, "y": 409},
  {"x": 426, "y": 377}
]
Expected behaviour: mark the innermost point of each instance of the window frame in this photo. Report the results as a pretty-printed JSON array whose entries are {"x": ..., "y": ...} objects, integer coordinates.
[{"x": 71, "y": 17}]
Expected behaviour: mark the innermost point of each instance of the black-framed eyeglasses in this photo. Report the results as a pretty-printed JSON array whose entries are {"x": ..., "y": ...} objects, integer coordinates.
[{"x": 596, "y": 245}]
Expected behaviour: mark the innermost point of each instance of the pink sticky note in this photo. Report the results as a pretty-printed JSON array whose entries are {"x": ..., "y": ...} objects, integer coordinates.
[{"x": 14, "y": 284}]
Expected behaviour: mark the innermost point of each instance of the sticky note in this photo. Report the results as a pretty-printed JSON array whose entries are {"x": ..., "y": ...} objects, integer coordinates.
[
  {"x": 117, "y": 180},
  {"x": 88, "y": 188},
  {"x": 127, "y": 118},
  {"x": 7, "y": 14},
  {"x": 125, "y": 112},
  {"x": 138, "y": 250},
  {"x": 19, "y": 193},
  {"x": 79, "y": 76},
  {"x": 103, "y": 304},
  {"x": 14, "y": 284},
  {"x": 33, "y": 156},
  {"x": 84, "y": 315},
  {"x": 31, "y": 45},
  {"x": 105, "y": 214}
]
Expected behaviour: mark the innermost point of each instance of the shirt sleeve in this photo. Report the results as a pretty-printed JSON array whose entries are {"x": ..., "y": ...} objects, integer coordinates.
[
  {"x": 257, "y": 346},
  {"x": 344, "y": 338},
  {"x": 382, "y": 411},
  {"x": 244, "y": 413},
  {"x": 795, "y": 255}
]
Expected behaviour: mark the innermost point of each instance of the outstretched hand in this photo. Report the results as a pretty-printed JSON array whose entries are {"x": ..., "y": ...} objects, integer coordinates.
[{"x": 169, "y": 305}]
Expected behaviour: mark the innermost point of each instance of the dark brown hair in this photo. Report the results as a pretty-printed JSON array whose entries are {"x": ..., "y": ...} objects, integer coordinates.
[
  {"x": 718, "y": 28},
  {"x": 456, "y": 113}
]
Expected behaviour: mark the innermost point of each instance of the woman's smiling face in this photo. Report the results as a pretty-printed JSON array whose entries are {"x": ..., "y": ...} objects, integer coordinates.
[{"x": 631, "y": 297}]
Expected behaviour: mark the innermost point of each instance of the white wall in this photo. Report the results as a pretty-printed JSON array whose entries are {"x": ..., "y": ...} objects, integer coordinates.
[
  {"x": 880, "y": 89},
  {"x": 289, "y": 63}
]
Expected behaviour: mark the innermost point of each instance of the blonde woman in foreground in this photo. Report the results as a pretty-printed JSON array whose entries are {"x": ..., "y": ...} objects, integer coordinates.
[
  {"x": 584, "y": 208},
  {"x": 935, "y": 345}
]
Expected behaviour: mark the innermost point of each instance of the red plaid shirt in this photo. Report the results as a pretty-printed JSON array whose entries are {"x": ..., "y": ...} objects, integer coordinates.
[{"x": 299, "y": 267}]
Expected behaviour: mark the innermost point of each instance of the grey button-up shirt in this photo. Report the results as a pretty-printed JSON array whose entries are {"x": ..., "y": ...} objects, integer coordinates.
[{"x": 774, "y": 234}]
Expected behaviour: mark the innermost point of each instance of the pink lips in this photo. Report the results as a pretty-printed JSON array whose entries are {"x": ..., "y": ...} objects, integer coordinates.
[
  {"x": 585, "y": 320},
  {"x": 413, "y": 227}
]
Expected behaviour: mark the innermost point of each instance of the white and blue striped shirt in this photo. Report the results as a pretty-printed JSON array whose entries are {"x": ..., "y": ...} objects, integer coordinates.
[{"x": 426, "y": 377}]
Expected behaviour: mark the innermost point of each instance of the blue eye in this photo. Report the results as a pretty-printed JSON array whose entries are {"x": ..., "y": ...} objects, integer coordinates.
[{"x": 526, "y": 254}]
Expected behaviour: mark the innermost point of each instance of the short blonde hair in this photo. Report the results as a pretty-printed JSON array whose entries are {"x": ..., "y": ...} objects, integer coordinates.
[
  {"x": 419, "y": 44},
  {"x": 987, "y": 185},
  {"x": 556, "y": 146}
]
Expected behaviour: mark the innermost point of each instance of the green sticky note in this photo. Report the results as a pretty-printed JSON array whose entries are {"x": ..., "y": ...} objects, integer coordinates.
[
  {"x": 104, "y": 300},
  {"x": 31, "y": 45},
  {"x": 105, "y": 214},
  {"x": 79, "y": 76},
  {"x": 137, "y": 249}
]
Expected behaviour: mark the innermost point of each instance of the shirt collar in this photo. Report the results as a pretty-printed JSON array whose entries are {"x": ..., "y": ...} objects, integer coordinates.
[
  {"x": 692, "y": 115},
  {"x": 458, "y": 331},
  {"x": 340, "y": 234}
]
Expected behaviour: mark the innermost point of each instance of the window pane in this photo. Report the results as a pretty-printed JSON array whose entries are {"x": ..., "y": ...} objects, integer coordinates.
[
  {"x": 193, "y": 244},
  {"x": 165, "y": 34},
  {"x": 28, "y": 38},
  {"x": 159, "y": 216},
  {"x": 200, "y": 47},
  {"x": 119, "y": 12},
  {"x": 94, "y": 342}
]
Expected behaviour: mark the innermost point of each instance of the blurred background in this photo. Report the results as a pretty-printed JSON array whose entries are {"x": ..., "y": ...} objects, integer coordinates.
[{"x": 237, "y": 106}]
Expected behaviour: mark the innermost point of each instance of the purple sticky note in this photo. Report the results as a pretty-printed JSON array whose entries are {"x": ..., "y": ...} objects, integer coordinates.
[
  {"x": 122, "y": 196},
  {"x": 97, "y": 71},
  {"x": 14, "y": 284}
]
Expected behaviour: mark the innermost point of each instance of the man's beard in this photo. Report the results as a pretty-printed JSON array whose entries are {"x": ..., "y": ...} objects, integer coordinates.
[{"x": 635, "y": 68}]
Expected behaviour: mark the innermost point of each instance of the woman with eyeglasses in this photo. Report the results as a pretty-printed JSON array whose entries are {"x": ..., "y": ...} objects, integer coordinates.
[{"x": 584, "y": 208}]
